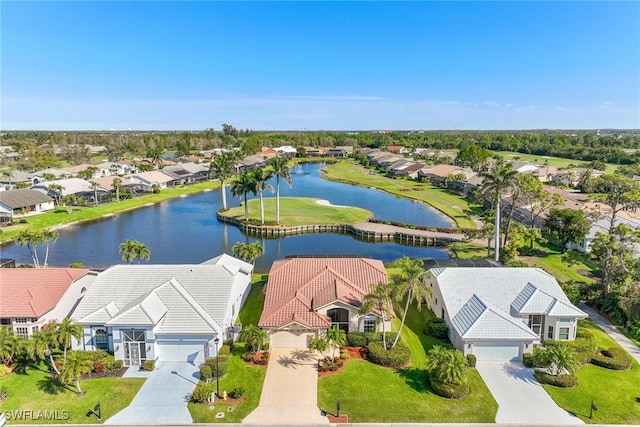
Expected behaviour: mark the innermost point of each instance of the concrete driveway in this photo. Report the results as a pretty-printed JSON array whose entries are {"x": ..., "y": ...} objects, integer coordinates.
[
  {"x": 163, "y": 398},
  {"x": 290, "y": 392},
  {"x": 521, "y": 399}
]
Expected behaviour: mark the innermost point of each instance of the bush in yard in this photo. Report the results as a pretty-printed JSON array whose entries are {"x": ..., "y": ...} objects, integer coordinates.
[
  {"x": 148, "y": 365},
  {"x": 564, "y": 380},
  {"x": 449, "y": 390},
  {"x": 200, "y": 394},
  {"x": 527, "y": 360},
  {"x": 219, "y": 367},
  {"x": 395, "y": 357},
  {"x": 225, "y": 350},
  {"x": 356, "y": 339},
  {"x": 436, "y": 327},
  {"x": 247, "y": 356},
  {"x": 471, "y": 360},
  {"x": 205, "y": 372},
  {"x": 237, "y": 393},
  {"x": 344, "y": 353},
  {"x": 614, "y": 358},
  {"x": 377, "y": 336},
  {"x": 118, "y": 364}
]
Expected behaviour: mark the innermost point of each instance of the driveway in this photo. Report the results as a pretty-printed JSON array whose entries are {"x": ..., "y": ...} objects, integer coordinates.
[
  {"x": 290, "y": 392},
  {"x": 611, "y": 330},
  {"x": 163, "y": 398},
  {"x": 521, "y": 398}
]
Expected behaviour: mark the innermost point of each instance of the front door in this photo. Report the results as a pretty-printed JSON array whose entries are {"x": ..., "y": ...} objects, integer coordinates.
[{"x": 134, "y": 353}]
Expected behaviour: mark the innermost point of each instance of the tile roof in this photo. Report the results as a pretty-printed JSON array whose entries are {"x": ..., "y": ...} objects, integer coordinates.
[
  {"x": 23, "y": 197},
  {"x": 299, "y": 286},
  {"x": 32, "y": 292}
]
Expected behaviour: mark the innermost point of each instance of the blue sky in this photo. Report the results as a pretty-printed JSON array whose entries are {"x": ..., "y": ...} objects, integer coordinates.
[{"x": 319, "y": 65}]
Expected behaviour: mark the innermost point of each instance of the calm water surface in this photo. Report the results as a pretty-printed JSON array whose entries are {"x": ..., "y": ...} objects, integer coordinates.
[{"x": 185, "y": 230}]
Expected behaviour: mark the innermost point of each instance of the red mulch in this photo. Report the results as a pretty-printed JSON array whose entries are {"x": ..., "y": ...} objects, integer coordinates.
[
  {"x": 354, "y": 353},
  {"x": 229, "y": 400},
  {"x": 342, "y": 419}
]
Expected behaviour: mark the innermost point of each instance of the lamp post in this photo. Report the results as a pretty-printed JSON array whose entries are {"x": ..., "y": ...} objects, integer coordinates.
[{"x": 216, "y": 341}]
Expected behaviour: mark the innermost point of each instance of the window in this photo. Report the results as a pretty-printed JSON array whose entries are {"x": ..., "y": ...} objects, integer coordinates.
[
  {"x": 20, "y": 320},
  {"x": 535, "y": 323},
  {"x": 550, "y": 333},
  {"x": 340, "y": 317},
  {"x": 22, "y": 332},
  {"x": 563, "y": 333},
  {"x": 5, "y": 321},
  {"x": 369, "y": 325},
  {"x": 35, "y": 329},
  {"x": 101, "y": 340}
]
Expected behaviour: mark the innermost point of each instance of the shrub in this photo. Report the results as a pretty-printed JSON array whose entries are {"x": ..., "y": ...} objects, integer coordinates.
[
  {"x": 584, "y": 357},
  {"x": 471, "y": 360},
  {"x": 449, "y": 390},
  {"x": 394, "y": 357},
  {"x": 564, "y": 381},
  {"x": 237, "y": 393},
  {"x": 205, "y": 372},
  {"x": 200, "y": 394},
  {"x": 219, "y": 367},
  {"x": 118, "y": 364},
  {"x": 212, "y": 360},
  {"x": 247, "y": 357},
  {"x": 435, "y": 327},
  {"x": 4, "y": 370},
  {"x": 614, "y": 358},
  {"x": 344, "y": 353},
  {"x": 377, "y": 336},
  {"x": 148, "y": 365},
  {"x": 356, "y": 339},
  {"x": 225, "y": 350},
  {"x": 527, "y": 360}
]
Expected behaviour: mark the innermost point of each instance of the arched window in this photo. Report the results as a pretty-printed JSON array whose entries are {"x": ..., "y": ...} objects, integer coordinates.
[
  {"x": 340, "y": 317},
  {"x": 101, "y": 340}
]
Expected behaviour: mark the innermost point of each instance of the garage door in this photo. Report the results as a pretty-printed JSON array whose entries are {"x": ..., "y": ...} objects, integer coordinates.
[
  {"x": 295, "y": 338},
  {"x": 496, "y": 351},
  {"x": 181, "y": 350}
]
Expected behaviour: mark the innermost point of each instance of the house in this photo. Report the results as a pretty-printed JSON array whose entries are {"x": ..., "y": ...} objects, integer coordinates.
[
  {"x": 341, "y": 151},
  {"x": 163, "y": 312},
  {"x": 75, "y": 170},
  {"x": 15, "y": 177},
  {"x": 398, "y": 149},
  {"x": 187, "y": 173},
  {"x": 33, "y": 297},
  {"x": 74, "y": 186},
  {"x": 148, "y": 179},
  {"x": 601, "y": 225},
  {"x": 500, "y": 313},
  {"x": 306, "y": 296},
  {"x": 23, "y": 202},
  {"x": 287, "y": 150},
  {"x": 573, "y": 176},
  {"x": 437, "y": 174}
]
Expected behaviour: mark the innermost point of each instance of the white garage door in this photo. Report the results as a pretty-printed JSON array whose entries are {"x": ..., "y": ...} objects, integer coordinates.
[
  {"x": 496, "y": 350},
  {"x": 295, "y": 338},
  {"x": 181, "y": 350}
]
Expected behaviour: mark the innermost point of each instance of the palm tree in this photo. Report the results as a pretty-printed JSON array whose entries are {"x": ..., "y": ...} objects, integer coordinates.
[
  {"x": 77, "y": 364},
  {"x": 30, "y": 239},
  {"x": 223, "y": 167},
  {"x": 261, "y": 176},
  {"x": 280, "y": 170},
  {"x": 448, "y": 365},
  {"x": 319, "y": 344},
  {"x": 10, "y": 344},
  {"x": 242, "y": 185},
  {"x": 409, "y": 285},
  {"x": 156, "y": 156},
  {"x": 132, "y": 250},
  {"x": 247, "y": 251},
  {"x": 39, "y": 346},
  {"x": 336, "y": 338},
  {"x": 48, "y": 235},
  {"x": 94, "y": 187},
  {"x": 56, "y": 189},
  {"x": 379, "y": 300},
  {"x": 255, "y": 337},
  {"x": 116, "y": 184},
  {"x": 87, "y": 174},
  {"x": 67, "y": 330},
  {"x": 495, "y": 182},
  {"x": 69, "y": 200},
  {"x": 557, "y": 359}
]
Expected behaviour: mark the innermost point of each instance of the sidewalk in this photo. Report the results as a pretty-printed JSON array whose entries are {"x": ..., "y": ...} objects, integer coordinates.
[{"x": 611, "y": 330}]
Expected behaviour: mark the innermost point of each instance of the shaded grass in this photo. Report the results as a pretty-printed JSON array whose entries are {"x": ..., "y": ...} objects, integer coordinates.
[
  {"x": 34, "y": 389},
  {"x": 469, "y": 250},
  {"x": 252, "y": 307},
  {"x": 296, "y": 211},
  {"x": 451, "y": 205},
  {"x": 615, "y": 393}
]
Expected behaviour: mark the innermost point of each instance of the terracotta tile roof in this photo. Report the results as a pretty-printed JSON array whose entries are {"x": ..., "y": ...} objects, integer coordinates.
[
  {"x": 32, "y": 292},
  {"x": 299, "y": 286}
]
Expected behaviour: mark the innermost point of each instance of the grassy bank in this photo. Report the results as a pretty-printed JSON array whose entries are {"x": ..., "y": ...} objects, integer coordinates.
[
  {"x": 453, "y": 206},
  {"x": 60, "y": 216},
  {"x": 296, "y": 211}
]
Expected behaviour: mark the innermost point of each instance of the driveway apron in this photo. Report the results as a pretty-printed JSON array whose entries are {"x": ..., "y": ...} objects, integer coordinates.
[
  {"x": 290, "y": 392},
  {"x": 521, "y": 399},
  {"x": 163, "y": 398}
]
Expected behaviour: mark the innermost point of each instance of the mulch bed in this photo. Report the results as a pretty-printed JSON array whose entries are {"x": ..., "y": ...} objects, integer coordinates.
[
  {"x": 229, "y": 400},
  {"x": 111, "y": 373},
  {"x": 342, "y": 419},
  {"x": 354, "y": 353},
  {"x": 257, "y": 359}
]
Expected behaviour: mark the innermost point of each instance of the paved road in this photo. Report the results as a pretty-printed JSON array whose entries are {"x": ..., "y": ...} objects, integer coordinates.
[
  {"x": 611, "y": 330},
  {"x": 521, "y": 399},
  {"x": 163, "y": 398},
  {"x": 290, "y": 392}
]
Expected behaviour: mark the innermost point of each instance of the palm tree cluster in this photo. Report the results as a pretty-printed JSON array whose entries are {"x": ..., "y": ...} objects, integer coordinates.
[
  {"x": 557, "y": 359},
  {"x": 247, "y": 251},
  {"x": 447, "y": 365},
  {"x": 132, "y": 250},
  {"x": 32, "y": 239},
  {"x": 255, "y": 337}
]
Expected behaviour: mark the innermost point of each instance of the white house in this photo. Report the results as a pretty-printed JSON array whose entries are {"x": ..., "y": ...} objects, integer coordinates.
[
  {"x": 23, "y": 202},
  {"x": 602, "y": 226},
  {"x": 163, "y": 312},
  {"x": 500, "y": 313}
]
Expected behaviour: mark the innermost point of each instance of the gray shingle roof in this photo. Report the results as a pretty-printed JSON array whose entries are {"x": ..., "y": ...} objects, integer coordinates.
[{"x": 21, "y": 198}]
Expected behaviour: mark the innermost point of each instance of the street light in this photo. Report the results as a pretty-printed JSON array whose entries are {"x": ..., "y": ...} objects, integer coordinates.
[{"x": 216, "y": 341}]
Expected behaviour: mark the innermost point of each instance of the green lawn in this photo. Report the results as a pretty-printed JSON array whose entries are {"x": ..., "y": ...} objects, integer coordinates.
[
  {"x": 547, "y": 160},
  {"x": 252, "y": 308},
  {"x": 239, "y": 374},
  {"x": 301, "y": 211},
  {"x": 59, "y": 216},
  {"x": 615, "y": 393},
  {"x": 34, "y": 389},
  {"x": 469, "y": 250},
  {"x": 451, "y": 205},
  {"x": 563, "y": 267}
]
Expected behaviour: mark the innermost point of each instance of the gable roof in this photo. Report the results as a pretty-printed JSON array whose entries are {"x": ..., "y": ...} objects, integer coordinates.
[
  {"x": 299, "y": 286},
  {"x": 189, "y": 298},
  {"x": 23, "y": 197},
  {"x": 152, "y": 177},
  {"x": 225, "y": 259},
  {"x": 32, "y": 292}
]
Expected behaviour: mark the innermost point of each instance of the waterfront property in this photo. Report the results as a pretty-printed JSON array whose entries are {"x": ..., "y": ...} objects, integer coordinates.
[
  {"x": 163, "y": 312},
  {"x": 306, "y": 296},
  {"x": 32, "y": 297},
  {"x": 23, "y": 202},
  {"x": 500, "y": 313}
]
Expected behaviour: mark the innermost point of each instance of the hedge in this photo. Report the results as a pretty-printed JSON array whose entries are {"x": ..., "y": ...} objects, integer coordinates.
[
  {"x": 225, "y": 350},
  {"x": 613, "y": 358},
  {"x": 377, "y": 336},
  {"x": 564, "y": 381},
  {"x": 435, "y": 327},
  {"x": 471, "y": 360},
  {"x": 205, "y": 372},
  {"x": 356, "y": 339},
  {"x": 219, "y": 367},
  {"x": 448, "y": 390},
  {"x": 148, "y": 365},
  {"x": 395, "y": 357}
]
